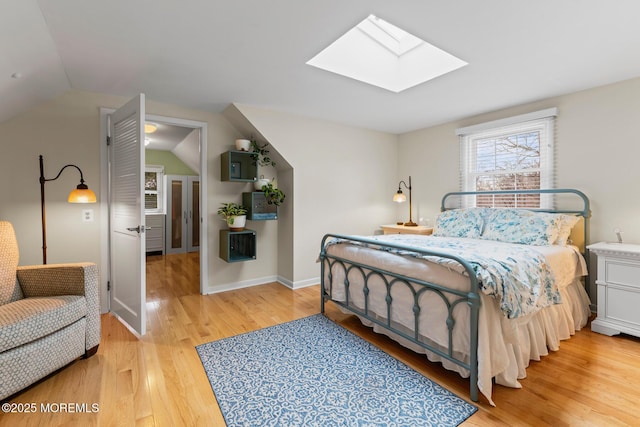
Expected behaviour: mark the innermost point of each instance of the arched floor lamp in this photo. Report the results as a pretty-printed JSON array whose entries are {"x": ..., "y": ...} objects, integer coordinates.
[
  {"x": 399, "y": 197},
  {"x": 81, "y": 194}
]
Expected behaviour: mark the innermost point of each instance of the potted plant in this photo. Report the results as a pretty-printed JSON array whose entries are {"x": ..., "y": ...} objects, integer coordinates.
[
  {"x": 261, "y": 154},
  {"x": 273, "y": 195},
  {"x": 261, "y": 182},
  {"x": 243, "y": 144},
  {"x": 235, "y": 215}
]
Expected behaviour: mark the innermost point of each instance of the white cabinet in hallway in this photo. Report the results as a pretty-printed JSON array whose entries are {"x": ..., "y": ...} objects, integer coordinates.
[{"x": 154, "y": 231}]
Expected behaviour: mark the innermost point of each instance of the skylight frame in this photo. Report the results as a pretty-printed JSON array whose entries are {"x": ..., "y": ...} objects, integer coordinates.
[
  {"x": 373, "y": 52},
  {"x": 392, "y": 38}
]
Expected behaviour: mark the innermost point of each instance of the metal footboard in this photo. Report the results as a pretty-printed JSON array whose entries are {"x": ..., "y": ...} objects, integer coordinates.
[{"x": 450, "y": 297}]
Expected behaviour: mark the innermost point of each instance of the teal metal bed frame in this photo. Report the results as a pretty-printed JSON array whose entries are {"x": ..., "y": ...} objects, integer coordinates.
[{"x": 450, "y": 297}]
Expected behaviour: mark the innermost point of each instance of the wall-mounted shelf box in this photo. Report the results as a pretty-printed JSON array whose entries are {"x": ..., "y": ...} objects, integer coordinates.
[
  {"x": 257, "y": 207},
  {"x": 238, "y": 166},
  {"x": 236, "y": 246}
]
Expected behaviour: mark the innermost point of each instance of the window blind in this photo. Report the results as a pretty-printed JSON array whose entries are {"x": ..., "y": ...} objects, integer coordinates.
[{"x": 516, "y": 155}]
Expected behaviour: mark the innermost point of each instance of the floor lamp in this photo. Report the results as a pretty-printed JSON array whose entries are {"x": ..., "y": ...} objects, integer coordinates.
[
  {"x": 399, "y": 197},
  {"x": 81, "y": 194}
]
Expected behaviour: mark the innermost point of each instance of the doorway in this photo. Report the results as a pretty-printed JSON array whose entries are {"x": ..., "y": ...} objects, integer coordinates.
[
  {"x": 200, "y": 129},
  {"x": 172, "y": 209}
]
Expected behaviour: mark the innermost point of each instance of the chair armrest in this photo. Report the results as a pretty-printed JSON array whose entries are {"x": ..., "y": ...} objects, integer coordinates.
[
  {"x": 58, "y": 279},
  {"x": 67, "y": 279}
]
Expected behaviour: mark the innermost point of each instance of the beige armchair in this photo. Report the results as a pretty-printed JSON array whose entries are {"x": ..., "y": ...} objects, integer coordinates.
[{"x": 49, "y": 316}]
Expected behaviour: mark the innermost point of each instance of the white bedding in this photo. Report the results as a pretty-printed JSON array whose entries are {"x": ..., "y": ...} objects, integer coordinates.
[{"x": 505, "y": 345}]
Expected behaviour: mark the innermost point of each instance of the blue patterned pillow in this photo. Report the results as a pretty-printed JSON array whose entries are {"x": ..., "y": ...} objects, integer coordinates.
[
  {"x": 460, "y": 223},
  {"x": 522, "y": 226}
]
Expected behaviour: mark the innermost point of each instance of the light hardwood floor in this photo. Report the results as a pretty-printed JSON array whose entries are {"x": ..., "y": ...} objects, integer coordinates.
[{"x": 159, "y": 381}]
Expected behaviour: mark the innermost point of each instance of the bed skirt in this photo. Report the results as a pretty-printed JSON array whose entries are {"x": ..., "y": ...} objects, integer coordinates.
[{"x": 504, "y": 355}]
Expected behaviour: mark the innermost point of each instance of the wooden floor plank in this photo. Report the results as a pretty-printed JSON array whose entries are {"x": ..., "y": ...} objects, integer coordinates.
[{"x": 159, "y": 381}]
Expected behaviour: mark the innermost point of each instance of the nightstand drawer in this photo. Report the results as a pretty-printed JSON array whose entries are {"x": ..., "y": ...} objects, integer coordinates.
[
  {"x": 403, "y": 229},
  {"x": 620, "y": 272},
  {"x": 622, "y": 306}
]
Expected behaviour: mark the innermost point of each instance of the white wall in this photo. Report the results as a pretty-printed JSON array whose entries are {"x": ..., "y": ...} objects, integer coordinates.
[
  {"x": 66, "y": 130},
  {"x": 343, "y": 176},
  {"x": 598, "y": 152},
  {"x": 188, "y": 150},
  {"x": 344, "y": 179}
]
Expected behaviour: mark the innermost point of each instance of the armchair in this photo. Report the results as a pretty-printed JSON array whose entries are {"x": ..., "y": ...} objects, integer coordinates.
[{"x": 49, "y": 316}]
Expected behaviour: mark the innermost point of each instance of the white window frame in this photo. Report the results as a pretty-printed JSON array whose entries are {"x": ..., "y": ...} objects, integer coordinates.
[
  {"x": 540, "y": 121},
  {"x": 159, "y": 170}
]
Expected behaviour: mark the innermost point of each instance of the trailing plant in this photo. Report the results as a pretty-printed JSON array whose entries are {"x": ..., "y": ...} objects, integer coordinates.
[
  {"x": 260, "y": 154},
  {"x": 230, "y": 210},
  {"x": 273, "y": 195}
]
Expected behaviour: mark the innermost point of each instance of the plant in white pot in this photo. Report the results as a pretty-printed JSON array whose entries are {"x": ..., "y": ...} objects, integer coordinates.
[
  {"x": 260, "y": 182},
  {"x": 235, "y": 215},
  {"x": 243, "y": 144}
]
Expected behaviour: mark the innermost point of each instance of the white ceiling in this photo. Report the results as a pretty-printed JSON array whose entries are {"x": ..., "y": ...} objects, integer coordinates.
[
  {"x": 205, "y": 54},
  {"x": 166, "y": 137}
]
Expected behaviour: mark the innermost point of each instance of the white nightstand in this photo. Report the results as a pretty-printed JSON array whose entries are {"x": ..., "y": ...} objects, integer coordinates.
[
  {"x": 402, "y": 229},
  {"x": 618, "y": 284}
]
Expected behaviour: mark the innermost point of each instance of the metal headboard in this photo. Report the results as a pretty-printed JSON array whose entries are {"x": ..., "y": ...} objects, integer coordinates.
[{"x": 584, "y": 211}]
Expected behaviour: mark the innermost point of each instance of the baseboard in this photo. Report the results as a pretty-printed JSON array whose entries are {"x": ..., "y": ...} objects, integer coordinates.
[
  {"x": 299, "y": 284},
  {"x": 261, "y": 281},
  {"x": 238, "y": 285}
]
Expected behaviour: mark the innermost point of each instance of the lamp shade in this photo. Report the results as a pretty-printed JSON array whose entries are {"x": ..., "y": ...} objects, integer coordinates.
[
  {"x": 82, "y": 194},
  {"x": 399, "y": 197}
]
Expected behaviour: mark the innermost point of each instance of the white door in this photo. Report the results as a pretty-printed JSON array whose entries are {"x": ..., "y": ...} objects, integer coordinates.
[{"x": 126, "y": 214}]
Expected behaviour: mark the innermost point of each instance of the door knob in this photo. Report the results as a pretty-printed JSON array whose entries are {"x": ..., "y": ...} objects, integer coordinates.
[{"x": 139, "y": 229}]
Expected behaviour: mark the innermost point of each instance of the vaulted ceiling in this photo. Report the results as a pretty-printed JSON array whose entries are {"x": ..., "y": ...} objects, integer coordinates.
[{"x": 205, "y": 54}]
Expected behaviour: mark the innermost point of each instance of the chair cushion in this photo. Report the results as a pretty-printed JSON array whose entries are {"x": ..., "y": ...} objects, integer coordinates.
[
  {"x": 29, "y": 319},
  {"x": 9, "y": 287}
]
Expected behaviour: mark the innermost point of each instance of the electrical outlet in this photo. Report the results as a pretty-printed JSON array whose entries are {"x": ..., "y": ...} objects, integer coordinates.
[{"x": 87, "y": 215}]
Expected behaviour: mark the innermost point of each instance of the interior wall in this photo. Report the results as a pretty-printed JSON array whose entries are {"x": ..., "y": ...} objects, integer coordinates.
[
  {"x": 344, "y": 180},
  {"x": 286, "y": 221},
  {"x": 597, "y": 152},
  {"x": 188, "y": 151},
  {"x": 66, "y": 130},
  {"x": 172, "y": 164},
  {"x": 344, "y": 177}
]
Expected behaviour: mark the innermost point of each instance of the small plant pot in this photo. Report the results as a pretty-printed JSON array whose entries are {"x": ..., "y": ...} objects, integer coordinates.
[
  {"x": 260, "y": 182},
  {"x": 243, "y": 144},
  {"x": 237, "y": 223}
]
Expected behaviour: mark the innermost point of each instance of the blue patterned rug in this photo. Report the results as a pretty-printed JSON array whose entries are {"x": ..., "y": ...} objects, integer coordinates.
[{"x": 313, "y": 372}]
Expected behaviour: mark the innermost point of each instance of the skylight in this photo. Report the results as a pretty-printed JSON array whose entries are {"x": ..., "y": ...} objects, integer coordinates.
[{"x": 381, "y": 54}]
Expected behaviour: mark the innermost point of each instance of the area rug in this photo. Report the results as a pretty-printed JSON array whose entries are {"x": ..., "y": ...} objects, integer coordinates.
[{"x": 313, "y": 372}]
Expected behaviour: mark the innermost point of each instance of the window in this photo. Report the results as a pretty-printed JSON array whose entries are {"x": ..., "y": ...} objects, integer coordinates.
[
  {"x": 154, "y": 189},
  {"x": 511, "y": 154}
]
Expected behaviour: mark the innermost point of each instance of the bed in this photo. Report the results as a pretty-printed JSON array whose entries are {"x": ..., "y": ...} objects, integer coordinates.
[{"x": 490, "y": 290}]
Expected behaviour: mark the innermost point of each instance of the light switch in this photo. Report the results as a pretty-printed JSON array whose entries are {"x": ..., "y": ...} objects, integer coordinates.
[{"x": 87, "y": 215}]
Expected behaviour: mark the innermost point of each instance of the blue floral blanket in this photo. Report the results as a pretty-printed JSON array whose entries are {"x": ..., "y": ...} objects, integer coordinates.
[{"x": 516, "y": 275}]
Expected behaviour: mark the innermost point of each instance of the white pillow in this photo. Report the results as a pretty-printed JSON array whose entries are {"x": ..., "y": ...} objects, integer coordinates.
[{"x": 566, "y": 225}]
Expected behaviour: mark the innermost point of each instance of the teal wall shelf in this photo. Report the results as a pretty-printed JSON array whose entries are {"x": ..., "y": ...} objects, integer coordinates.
[{"x": 237, "y": 246}]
